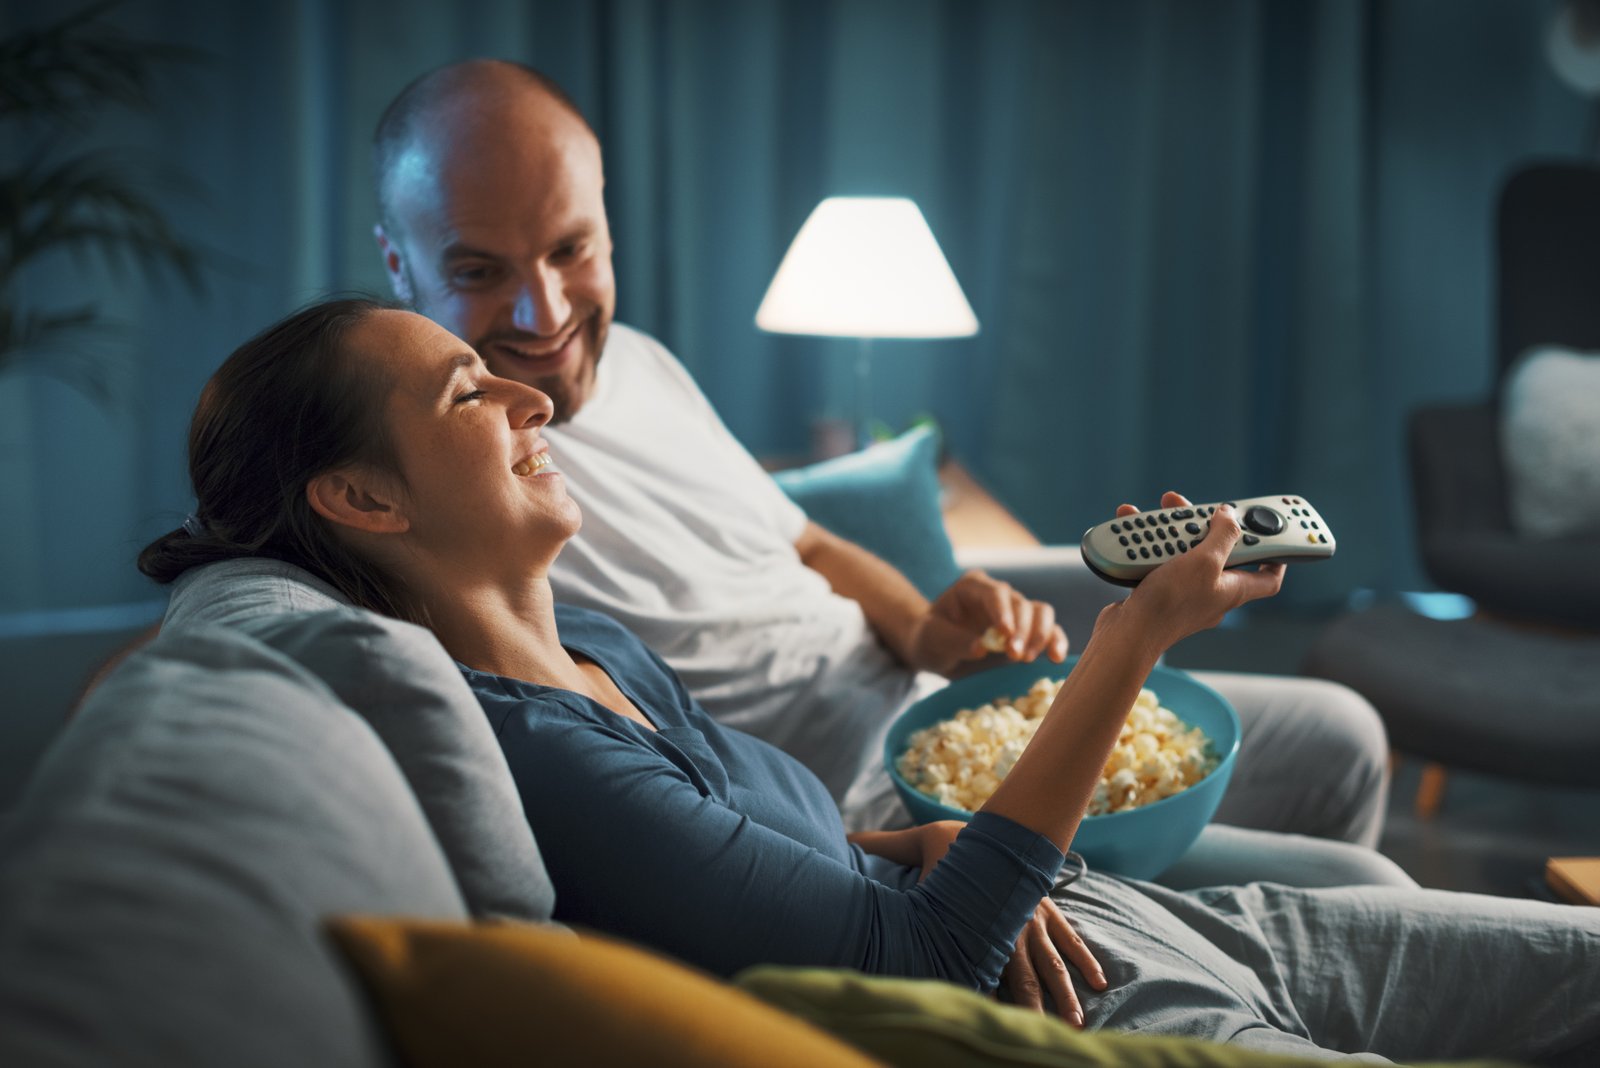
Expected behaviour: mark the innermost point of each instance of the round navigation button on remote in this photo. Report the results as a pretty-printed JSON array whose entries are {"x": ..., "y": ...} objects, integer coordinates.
[{"x": 1262, "y": 520}]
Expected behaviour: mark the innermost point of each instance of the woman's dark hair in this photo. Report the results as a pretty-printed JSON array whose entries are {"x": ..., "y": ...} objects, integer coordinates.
[{"x": 288, "y": 405}]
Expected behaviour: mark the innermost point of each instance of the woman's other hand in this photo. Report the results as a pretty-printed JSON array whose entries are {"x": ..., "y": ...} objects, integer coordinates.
[
  {"x": 921, "y": 847},
  {"x": 1038, "y": 965}
]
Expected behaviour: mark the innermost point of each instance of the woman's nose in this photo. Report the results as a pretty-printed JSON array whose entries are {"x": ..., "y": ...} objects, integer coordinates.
[{"x": 531, "y": 407}]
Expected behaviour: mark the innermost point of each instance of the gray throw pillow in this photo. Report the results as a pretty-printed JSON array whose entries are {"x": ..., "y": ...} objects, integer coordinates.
[
  {"x": 400, "y": 679},
  {"x": 1550, "y": 443},
  {"x": 165, "y": 878},
  {"x": 230, "y": 592}
]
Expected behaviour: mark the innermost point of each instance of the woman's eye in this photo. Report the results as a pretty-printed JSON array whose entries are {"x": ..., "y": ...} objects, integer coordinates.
[{"x": 474, "y": 395}]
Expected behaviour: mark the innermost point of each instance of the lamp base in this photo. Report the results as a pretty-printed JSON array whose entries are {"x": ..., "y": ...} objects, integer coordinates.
[
  {"x": 863, "y": 392},
  {"x": 832, "y": 437}
]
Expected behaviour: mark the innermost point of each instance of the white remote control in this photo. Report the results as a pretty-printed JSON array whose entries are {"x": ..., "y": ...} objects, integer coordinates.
[{"x": 1126, "y": 549}]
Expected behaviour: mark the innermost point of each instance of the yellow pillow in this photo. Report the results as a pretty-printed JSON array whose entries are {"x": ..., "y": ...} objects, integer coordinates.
[
  {"x": 915, "y": 1022},
  {"x": 517, "y": 994}
]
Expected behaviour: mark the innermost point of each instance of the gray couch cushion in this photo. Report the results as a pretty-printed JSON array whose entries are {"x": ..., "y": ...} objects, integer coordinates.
[
  {"x": 164, "y": 879},
  {"x": 406, "y": 686},
  {"x": 1476, "y": 693}
]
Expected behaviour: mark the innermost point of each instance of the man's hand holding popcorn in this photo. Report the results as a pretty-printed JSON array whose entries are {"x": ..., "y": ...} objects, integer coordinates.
[{"x": 979, "y": 616}]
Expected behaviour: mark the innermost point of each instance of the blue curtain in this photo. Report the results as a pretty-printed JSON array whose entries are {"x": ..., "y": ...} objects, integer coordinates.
[{"x": 1214, "y": 246}]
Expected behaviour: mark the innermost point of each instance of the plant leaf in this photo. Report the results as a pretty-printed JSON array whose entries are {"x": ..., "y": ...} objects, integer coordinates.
[
  {"x": 55, "y": 71},
  {"x": 69, "y": 345}
]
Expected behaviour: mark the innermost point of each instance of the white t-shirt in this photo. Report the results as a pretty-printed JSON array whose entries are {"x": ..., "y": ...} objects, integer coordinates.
[{"x": 688, "y": 542}]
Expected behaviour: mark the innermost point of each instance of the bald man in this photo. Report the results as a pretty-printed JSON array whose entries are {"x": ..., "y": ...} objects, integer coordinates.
[{"x": 493, "y": 223}]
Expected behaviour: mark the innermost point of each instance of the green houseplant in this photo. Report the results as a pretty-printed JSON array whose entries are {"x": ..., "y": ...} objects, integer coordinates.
[{"x": 60, "y": 194}]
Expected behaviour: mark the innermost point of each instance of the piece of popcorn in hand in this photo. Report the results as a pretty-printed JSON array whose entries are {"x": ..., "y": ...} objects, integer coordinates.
[{"x": 994, "y": 640}]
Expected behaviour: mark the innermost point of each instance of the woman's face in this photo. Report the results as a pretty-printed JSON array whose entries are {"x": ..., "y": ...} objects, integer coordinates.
[{"x": 480, "y": 490}]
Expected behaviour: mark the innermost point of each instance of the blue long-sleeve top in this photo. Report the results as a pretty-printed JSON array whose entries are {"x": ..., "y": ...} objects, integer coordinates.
[{"x": 724, "y": 851}]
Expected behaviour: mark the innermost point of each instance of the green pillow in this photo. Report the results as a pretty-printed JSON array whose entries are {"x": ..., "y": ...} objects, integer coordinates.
[
  {"x": 884, "y": 498},
  {"x": 929, "y": 1024}
]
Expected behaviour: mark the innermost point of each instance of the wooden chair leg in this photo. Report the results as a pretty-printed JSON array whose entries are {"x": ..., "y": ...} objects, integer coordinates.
[{"x": 1430, "y": 790}]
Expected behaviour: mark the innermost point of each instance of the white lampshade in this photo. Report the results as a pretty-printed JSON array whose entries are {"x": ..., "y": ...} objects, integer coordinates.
[{"x": 866, "y": 267}]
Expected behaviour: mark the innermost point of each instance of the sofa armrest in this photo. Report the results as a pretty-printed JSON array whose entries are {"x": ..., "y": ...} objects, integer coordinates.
[{"x": 1055, "y": 574}]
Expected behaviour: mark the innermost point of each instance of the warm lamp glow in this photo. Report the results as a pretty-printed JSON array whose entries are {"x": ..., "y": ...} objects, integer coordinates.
[{"x": 866, "y": 267}]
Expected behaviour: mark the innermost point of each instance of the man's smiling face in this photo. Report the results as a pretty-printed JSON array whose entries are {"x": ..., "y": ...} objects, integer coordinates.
[{"x": 499, "y": 235}]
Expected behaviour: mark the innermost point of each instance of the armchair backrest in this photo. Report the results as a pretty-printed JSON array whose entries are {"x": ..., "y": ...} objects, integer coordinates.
[{"x": 1547, "y": 242}]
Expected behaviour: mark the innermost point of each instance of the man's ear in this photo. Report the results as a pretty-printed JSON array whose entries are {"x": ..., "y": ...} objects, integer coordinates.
[
  {"x": 358, "y": 500},
  {"x": 393, "y": 266}
]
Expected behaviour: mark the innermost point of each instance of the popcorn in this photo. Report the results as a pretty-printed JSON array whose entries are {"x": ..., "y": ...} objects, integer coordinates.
[
  {"x": 994, "y": 640},
  {"x": 961, "y": 761}
]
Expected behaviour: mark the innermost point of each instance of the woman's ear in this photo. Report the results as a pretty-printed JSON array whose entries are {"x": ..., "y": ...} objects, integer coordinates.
[{"x": 358, "y": 499}]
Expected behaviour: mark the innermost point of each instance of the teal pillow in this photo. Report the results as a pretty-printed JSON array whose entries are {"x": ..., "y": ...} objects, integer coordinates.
[{"x": 884, "y": 498}]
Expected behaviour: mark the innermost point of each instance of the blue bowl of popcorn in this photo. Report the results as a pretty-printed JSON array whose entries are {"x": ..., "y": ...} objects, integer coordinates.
[{"x": 1162, "y": 784}]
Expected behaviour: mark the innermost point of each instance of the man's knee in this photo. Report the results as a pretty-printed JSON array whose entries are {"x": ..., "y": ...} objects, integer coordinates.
[{"x": 1356, "y": 729}]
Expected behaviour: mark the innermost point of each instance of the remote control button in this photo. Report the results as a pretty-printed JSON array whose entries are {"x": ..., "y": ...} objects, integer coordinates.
[
  {"x": 1304, "y": 525},
  {"x": 1287, "y": 501},
  {"x": 1182, "y": 546},
  {"x": 1263, "y": 520},
  {"x": 1251, "y": 539},
  {"x": 1138, "y": 521},
  {"x": 1323, "y": 538},
  {"x": 1156, "y": 549},
  {"x": 1145, "y": 553},
  {"x": 1297, "y": 500},
  {"x": 1192, "y": 528},
  {"x": 1132, "y": 555},
  {"x": 1312, "y": 538},
  {"x": 1137, "y": 539},
  {"x": 1116, "y": 528},
  {"x": 1172, "y": 532},
  {"x": 1315, "y": 525},
  {"x": 1161, "y": 517},
  {"x": 1183, "y": 513},
  {"x": 1123, "y": 538}
]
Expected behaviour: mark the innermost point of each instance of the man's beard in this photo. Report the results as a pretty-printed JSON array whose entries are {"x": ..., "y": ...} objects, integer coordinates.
[{"x": 567, "y": 394}]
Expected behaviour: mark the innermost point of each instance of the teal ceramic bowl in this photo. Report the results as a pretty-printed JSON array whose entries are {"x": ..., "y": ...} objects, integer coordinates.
[{"x": 1140, "y": 843}]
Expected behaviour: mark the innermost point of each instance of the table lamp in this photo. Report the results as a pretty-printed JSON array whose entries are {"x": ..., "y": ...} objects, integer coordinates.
[{"x": 866, "y": 267}]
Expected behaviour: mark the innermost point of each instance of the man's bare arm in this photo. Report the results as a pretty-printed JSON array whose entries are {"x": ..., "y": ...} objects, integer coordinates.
[
  {"x": 943, "y": 635},
  {"x": 888, "y": 599}
]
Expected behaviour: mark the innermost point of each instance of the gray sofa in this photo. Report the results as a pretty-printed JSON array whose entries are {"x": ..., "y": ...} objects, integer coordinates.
[
  {"x": 273, "y": 758},
  {"x": 243, "y": 777}
]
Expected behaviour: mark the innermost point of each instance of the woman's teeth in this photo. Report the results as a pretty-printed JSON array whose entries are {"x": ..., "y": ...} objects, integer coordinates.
[{"x": 534, "y": 463}]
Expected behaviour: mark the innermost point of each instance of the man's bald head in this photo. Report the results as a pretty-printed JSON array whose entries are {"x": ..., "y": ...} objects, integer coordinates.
[
  {"x": 442, "y": 93},
  {"x": 493, "y": 221}
]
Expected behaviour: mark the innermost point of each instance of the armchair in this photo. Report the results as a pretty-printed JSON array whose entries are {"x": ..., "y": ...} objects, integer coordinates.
[
  {"x": 1547, "y": 240},
  {"x": 1500, "y": 697}
]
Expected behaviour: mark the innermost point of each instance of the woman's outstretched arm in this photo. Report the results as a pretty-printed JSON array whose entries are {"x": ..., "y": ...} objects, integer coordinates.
[{"x": 1049, "y": 788}]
